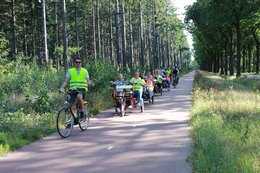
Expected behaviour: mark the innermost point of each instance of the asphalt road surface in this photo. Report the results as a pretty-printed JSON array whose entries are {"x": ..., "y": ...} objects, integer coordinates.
[{"x": 155, "y": 141}]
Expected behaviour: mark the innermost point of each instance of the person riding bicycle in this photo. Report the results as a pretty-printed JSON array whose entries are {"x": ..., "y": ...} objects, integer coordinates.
[
  {"x": 158, "y": 78},
  {"x": 78, "y": 80},
  {"x": 119, "y": 80},
  {"x": 168, "y": 78},
  {"x": 149, "y": 83},
  {"x": 175, "y": 74},
  {"x": 138, "y": 84}
]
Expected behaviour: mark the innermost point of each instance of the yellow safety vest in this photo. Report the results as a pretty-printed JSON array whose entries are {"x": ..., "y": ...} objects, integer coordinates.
[
  {"x": 159, "y": 79},
  {"x": 169, "y": 71},
  {"x": 137, "y": 86},
  {"x": 78, "y": 80}
]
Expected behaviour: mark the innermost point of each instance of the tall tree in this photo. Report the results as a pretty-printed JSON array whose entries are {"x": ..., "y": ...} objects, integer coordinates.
[
  {"x": 65, "y": 38},
  {"x": 118, "y": 50},
  {"x": 141, "y": 37},
  {"x": 14, "y": 42},
  {"x": 44, "y": 29},
  {"x": 123, "y": 34}
]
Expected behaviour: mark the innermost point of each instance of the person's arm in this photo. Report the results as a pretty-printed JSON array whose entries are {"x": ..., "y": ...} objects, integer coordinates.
[
  {"x": 90, "y": 83},
  {"x": 87, "y": 78},
  {"x": 66, "y": 81},
  {"x": 144, "y": 83}
]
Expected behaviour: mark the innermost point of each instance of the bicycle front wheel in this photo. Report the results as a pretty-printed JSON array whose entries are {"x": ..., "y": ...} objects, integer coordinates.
[
  {"x": 65, "y": 122},
  {"x": 84, "y": 121}
]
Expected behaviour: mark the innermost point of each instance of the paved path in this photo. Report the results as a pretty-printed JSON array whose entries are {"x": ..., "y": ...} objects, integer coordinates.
[
  {"x": 251, "y": 76},
  {"x": 156, "y": 141}
]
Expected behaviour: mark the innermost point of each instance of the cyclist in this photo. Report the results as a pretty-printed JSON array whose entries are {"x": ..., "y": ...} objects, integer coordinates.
[
  {"x": 149, "y": 83},
  {"x": 168, "y": 78},
  {"x": 175, "y": 74},
  {"x": 138, "y": 86},
  {"x": 78, "y": 80},
  {"x": 119, "y": 80},
  {"x": 159, "y": 78}
]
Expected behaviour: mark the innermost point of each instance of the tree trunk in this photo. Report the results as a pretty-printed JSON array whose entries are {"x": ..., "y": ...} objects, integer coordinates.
[
  {"x": 231, "y": 56},
  {"x": 238, "y": 34},
  {"x": 142, "y": 62},
  {"x": 85, "y": 37},
  {"x": 98, "y": 28},
  {"x": 257, "y": 45},
  {"x": 56, "y": 30},
  {"x": 76, "y": 27},
  {"x": 123, "y": 36},
  {"x": 220, "y": 56},
  {"x": 24, "y": 33},
  {"x": 112, "y": 55},
  {"x": 226, "y": 59},
  {"x": 162, "y": 52},
  {"x": 14, "y": 40},
  {"x": 46, "y": 57},
  {"x": 257, "y": 58},
  {"x": 119, "y": 61},
  {"x": 65, "y": 38},
  {"x": 94, "y": 31},
  {"x": 155, "y": 64},
  {"x": 167, "y": 48},
  {"x": 131, "y": 38},
  {"x": 244, "y": 61},
  {"x": 33, "y": 51},
  {"x": 249, "y": 58}
]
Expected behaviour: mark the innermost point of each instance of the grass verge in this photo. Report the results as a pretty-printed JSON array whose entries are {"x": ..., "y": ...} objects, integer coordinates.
[{"x": 225, "y": 124}]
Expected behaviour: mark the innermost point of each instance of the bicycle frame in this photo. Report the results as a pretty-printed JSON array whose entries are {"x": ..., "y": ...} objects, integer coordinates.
[{"x": 66, "y": 118}]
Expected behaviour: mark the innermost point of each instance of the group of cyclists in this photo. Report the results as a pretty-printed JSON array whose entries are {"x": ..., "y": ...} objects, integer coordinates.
[
  {"x": 78, "y": 80},
  {"x": 144, "y": 86}
]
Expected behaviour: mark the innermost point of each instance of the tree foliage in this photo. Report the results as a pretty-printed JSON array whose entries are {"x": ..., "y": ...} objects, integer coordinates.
[
  {"x": 90, "y": 28},
  {"x": 221, "y": 32}
]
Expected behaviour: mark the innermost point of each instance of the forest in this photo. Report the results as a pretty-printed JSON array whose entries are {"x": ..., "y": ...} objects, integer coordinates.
[
  {"x": 125, "y": 33},
  {"x": 39, "y": 38},
  {"x": 226, "y": 35}
]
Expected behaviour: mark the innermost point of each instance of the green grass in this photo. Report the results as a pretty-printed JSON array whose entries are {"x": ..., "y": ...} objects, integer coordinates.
[
  {"x": 225, "y": 124},
  {"x": 29, "y": 103},
  {"x": 18, "y": 129}
]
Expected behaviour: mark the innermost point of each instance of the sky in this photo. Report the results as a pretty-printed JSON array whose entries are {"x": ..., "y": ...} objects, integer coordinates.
[{"x": 180, "y": 5}]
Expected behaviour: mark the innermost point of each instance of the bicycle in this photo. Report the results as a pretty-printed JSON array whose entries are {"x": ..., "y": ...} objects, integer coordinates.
[
  {"x": 175, "y": 80},
  {"x": 66, "y": 117}
]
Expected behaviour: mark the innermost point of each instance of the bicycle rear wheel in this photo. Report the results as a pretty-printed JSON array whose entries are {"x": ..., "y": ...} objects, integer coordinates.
[
  {"x": 84, "y": 121},
  {"x": 64, "y": 123},
  {"x": 122, "y": 108}
]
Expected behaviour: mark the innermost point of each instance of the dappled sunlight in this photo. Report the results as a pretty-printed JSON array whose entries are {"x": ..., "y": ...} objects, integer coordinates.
[{"x": 134, "y": 142}]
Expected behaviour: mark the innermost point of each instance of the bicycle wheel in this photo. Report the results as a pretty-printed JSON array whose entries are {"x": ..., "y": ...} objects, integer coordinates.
[
  {"x": 122, "y": 108},
  {"x": 84, "y": 121},
  {"x": 65, "y": 122},
  {"x": 152, "y": 99},
  {"x": 142, "y": 105}
]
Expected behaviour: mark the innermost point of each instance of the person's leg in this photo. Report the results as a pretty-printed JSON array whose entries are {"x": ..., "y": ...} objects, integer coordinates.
[
  {"x": 160, "y": 86},
  {"x": 138, "y": 96},
  {"x": 169, "y": 85},
  {"x": 80, "y": 102},
  {"x": 150, "y": 90},
  {"x": 80, "y": 99},
  {"x": 72, "y": 100}
]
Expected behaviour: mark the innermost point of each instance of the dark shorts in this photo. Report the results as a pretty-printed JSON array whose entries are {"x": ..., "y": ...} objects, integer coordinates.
[{"x": 74, "y": 93}]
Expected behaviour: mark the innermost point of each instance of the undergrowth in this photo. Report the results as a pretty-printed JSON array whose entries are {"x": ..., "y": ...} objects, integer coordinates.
[{"x": 225, "y": 124}]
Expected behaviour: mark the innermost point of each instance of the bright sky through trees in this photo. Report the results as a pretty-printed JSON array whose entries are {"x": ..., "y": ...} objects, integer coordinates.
[{"x": 180, "y": 5}]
